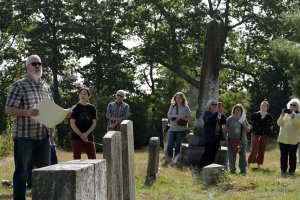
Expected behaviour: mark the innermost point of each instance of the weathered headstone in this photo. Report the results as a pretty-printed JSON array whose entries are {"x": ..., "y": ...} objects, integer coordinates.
[
  {"x": 212, "y": 173},
  {"x": 100, "y": 178},
  {"x": 183, "y": 153},
  {"x": 112, "y": 152},
  {"x": 153, "y": 157},
  {"x": 164, "y": 122},
  {"x": 128, "y": 160},
  {"x": 64, "y": 182}
]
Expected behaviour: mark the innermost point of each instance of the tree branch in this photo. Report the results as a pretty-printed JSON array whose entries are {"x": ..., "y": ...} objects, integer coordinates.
[
  {"x": 237, "y": 68},
  {"x": 180, "y": 72}
]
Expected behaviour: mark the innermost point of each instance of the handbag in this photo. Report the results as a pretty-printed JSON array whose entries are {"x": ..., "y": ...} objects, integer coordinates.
[
  {"x": 236, "y": 145},
  {"x": 167, "y": 127},
  {"x": 181, "y": 122}
]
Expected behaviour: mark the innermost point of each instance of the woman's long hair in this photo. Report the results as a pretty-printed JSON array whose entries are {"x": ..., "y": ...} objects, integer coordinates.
[
  {"x": 240, "y": 106},
  {"x": 184, "y": 101}
]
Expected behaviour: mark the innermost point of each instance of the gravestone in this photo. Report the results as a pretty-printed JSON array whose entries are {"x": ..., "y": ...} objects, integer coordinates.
[
  {"x": 164, "y": 122},
  {"x": 128, "y": 160},
  {"x": 63, "y": 182},
  {"x": 212, "y": 173},
  {"x": 100, "y": 178},
  {"x": 112, "y": 152},
  {"x": 153, "y": 157}
]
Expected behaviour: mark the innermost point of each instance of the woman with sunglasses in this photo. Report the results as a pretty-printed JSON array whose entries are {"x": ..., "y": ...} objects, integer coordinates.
[
  {"x": 213, "y": 118},
  {"x": 289, "y": 122}
]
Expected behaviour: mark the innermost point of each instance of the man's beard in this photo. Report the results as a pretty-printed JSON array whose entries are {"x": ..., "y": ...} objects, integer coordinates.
[{"x": 37, "y": 75}]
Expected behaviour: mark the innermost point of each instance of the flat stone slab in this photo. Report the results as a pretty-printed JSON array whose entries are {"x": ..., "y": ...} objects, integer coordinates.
[{"x": 64, "y": 182}]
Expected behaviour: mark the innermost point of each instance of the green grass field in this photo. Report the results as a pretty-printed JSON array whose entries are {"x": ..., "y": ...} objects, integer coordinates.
[{"x": 185, "y": 183}]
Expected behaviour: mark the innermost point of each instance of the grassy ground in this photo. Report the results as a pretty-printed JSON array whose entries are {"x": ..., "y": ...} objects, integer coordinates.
[{"x": 185, "y": 183}]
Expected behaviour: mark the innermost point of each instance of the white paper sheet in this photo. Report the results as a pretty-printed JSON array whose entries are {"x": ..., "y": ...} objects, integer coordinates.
[
  {"x": 50, "y": 114},
  {"x": 242, "y": 118}
]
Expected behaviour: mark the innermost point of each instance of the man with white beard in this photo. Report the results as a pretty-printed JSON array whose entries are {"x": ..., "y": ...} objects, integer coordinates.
[{"x": 31, "y": 138}]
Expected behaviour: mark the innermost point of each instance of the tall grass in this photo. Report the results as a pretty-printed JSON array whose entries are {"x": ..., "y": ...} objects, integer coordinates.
[
  {"x": 185, "y": 183},
  {"x": 6, "y": 142}
]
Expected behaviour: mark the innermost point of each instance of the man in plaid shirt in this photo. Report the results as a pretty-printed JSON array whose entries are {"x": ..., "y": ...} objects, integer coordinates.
[
  {"x": 117, "y": 111},
  {"x": 31, "y": 139}
]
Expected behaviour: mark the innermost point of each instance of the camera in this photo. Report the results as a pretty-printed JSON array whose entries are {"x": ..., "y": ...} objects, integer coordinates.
[
  {"x": 288, "y": 111},
  {"x": 219, "y": 104}
]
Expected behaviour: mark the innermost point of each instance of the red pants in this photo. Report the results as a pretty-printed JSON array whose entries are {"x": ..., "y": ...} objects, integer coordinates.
[
  {"x": 78, "y": 145},
  {"x": 258, "y": 148}
]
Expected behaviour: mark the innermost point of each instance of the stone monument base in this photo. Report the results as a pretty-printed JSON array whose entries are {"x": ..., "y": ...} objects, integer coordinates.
[{"x": 192, "y": 155}]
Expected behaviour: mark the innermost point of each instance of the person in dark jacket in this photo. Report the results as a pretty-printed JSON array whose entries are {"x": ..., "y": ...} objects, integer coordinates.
[
  {"x": 262, "y": 124},
  {"x": 213, "y": 118}
]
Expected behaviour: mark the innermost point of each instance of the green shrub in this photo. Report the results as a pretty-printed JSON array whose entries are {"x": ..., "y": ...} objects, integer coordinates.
[{"x": 6, "y": 142}]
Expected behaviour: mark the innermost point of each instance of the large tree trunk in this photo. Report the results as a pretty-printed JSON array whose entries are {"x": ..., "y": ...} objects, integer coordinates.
[{"x": 209, "y": 80}]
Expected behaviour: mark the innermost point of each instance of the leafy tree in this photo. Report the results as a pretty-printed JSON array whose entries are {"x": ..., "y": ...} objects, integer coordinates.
[
  {"x": 286, "y": 49},
  {"x": 11, "y": 49},
  {"x": 180, "y": 27}
]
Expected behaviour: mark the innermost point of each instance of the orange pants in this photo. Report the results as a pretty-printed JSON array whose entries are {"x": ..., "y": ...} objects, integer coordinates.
[{"x": 258, "y": 148}]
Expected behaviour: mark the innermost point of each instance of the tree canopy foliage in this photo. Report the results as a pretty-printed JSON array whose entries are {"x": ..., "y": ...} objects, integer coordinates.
[{"x": 167, "y": 45}]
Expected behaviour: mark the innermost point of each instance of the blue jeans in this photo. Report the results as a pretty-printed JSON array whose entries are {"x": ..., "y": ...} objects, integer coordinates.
[
  {"x": 24, "y": 150},
  {"x": 175, "y": 137},
  {"x": 232, "y": 158}
]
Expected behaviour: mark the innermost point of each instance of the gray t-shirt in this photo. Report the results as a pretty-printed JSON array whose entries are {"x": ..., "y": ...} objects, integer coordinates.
[
  {"x": 185, "y": 111},
  {"x": 234, "y": 129}
]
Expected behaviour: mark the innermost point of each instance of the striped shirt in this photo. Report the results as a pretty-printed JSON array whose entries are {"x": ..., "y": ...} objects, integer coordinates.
[
  {"x": 118, "y": 110},
  {"x": 25, "y": 94}
]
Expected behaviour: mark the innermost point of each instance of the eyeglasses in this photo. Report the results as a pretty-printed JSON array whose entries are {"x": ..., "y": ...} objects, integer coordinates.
[
  {"x": 214, "y": 104},
  {"x": 294, "y": 105},
  {"x": 36, "y": 63},
  {"x": 119, "y": 95}
]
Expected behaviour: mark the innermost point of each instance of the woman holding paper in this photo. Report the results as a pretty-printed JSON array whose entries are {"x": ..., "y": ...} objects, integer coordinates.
[
  {"x": 236, "y": 128},
  {"x": 83, "y": 122}
]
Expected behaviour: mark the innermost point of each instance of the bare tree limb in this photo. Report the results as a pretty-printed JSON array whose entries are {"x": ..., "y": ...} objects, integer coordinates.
[
  {"x": 237, "y": 68},
  {"x": 180, "y": 72}
]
